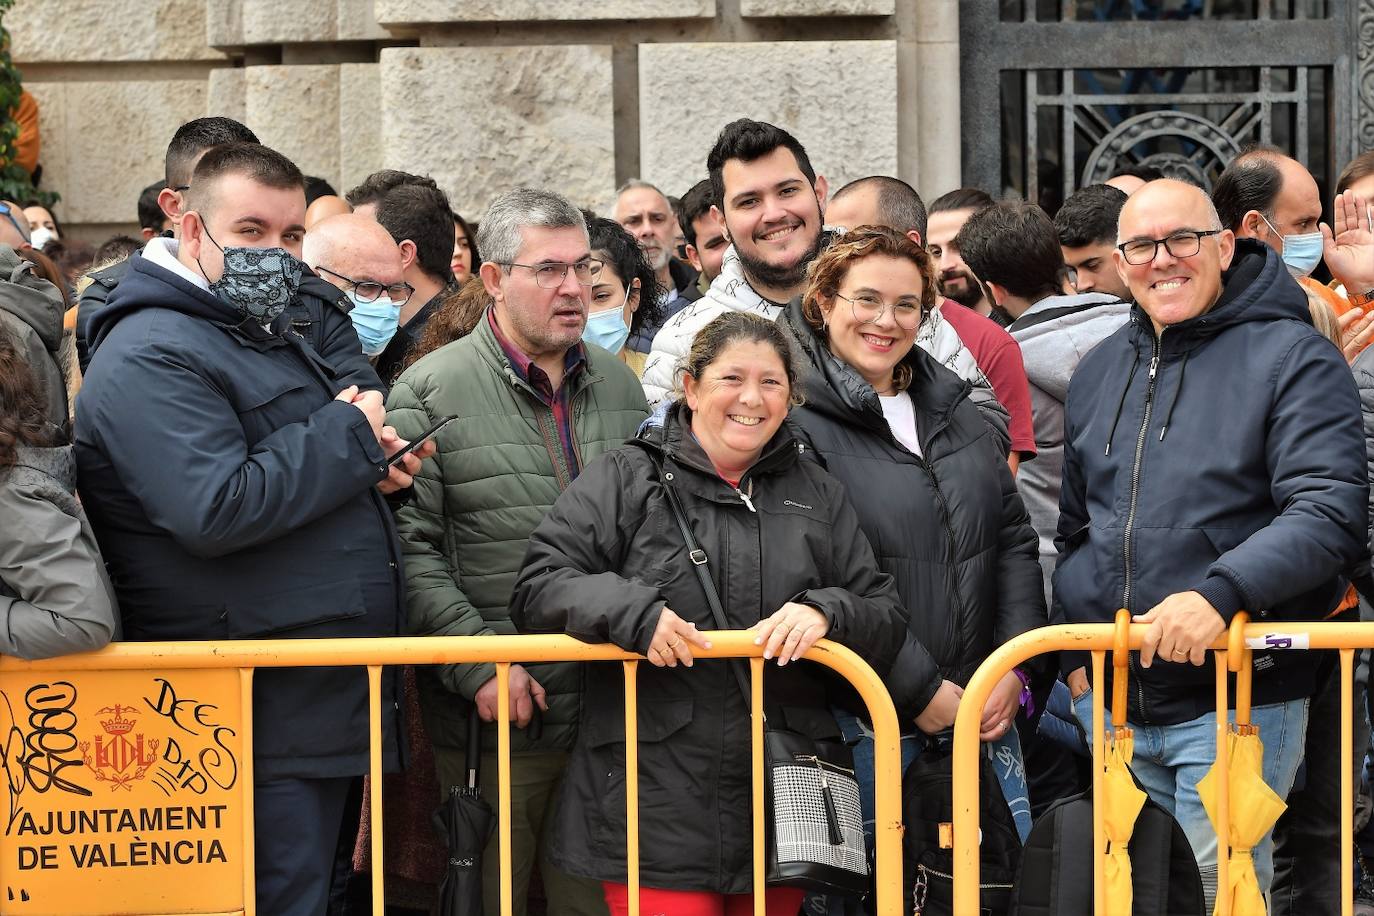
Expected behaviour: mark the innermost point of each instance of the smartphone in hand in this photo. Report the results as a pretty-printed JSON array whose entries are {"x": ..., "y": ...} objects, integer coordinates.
[{"x": 424, "y": 437}]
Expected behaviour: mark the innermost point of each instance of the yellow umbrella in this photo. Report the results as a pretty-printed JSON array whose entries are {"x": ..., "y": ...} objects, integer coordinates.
[
  {"x": 1242, "y": 825},
  {"x": 1121, "y": 798},
  {"x": 1249, "y": 821}
]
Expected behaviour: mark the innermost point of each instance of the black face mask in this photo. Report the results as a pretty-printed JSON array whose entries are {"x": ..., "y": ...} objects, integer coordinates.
[{"x": 258, "y": 283}]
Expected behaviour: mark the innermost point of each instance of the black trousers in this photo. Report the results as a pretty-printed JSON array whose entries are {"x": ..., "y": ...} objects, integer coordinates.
[
  {"x": 297, "y": 824},
  {"x": 1307, "y": 838}
]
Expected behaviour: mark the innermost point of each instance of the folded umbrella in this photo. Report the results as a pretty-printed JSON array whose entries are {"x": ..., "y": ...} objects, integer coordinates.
[
  {"x": 1122, "y": 799},
  {"x": 1249, "y": 822},
  {"x": 467, "y": 821}
]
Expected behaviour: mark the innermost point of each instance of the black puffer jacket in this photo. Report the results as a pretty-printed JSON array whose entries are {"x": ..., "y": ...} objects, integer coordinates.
[
  {"x": 948, "y": 526},
  {"x": 601, "y": 566}
]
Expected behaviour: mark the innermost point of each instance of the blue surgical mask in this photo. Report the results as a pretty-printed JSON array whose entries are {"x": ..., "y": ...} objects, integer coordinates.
[
  {"x": 1301, "y": 253},
  {"x": 375, "y": 322},
  {"x": 608, "y": 329}
]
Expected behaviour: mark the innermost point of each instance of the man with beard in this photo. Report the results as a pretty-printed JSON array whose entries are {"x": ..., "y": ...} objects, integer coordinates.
[
  {"x": 769, "y": 199},
  {"x": 948, "y": 213},
  {"x": 533, "y": 407},
  {"x": 645, "y": 213}
]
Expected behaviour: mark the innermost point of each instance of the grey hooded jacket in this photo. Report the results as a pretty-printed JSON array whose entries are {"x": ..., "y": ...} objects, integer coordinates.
[
  {"x": 31, "y": 310},
  {"x": 55, "y": 596},
  {"x": 1055, "y": 334}
]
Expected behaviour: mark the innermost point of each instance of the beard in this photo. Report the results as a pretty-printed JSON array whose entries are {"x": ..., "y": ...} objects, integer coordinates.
[
  {"x": 761, "y": 273},
  {"x": 966, "y": 293}
]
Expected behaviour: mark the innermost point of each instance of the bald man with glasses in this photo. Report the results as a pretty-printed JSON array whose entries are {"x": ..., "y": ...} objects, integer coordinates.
[
  {"x": 1214, "y": 461},
  {"x": 354, "y": 253}
]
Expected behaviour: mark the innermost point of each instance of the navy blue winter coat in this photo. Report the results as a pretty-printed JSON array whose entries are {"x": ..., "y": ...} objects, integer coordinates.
[
  {"x": 1224, "y": 456},
  {"x": 233, "y": 497}
]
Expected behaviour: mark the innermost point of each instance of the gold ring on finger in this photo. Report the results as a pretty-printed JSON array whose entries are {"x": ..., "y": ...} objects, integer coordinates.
[{"x": 675, "y": 643}]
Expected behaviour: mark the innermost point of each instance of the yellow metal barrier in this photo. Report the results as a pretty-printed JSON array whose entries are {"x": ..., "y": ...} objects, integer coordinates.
[
  {"x": 1232, "y": 650},
  {"x": 372, "y": 654}
]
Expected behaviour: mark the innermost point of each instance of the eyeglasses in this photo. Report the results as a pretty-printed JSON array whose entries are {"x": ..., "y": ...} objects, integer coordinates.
[
  {"x": 1181, "y": 244},
  {"x": 9, "y": 215},
  {"x": 551, "y": 276},
  {"x": 867, "y": 309},
  {"x": 370, "y": 290}
]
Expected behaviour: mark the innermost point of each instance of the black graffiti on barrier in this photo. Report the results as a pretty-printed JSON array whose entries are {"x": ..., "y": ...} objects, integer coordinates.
[
  {"x": 197, "y": 764},
  {"x": 34, "y": 759}
]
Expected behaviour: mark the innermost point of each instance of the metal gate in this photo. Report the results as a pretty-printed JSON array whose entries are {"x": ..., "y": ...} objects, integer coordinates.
[{"x": 1057, "y": 94}]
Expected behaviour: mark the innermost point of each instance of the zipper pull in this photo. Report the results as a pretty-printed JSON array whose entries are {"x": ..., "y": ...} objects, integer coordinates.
[
  {"x": 832, "y": 816},
  {"x": 747, "y": 501},
  {"x": 1154, "y": 366},
  {"x": 918, "y": 891}
]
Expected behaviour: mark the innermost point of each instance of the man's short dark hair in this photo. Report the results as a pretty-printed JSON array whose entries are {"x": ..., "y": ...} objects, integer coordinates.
[
  {"x": 692, "y": 206},
  {"x": 899, "y": 206},
  {"x": 1251, "y": 182},
  {"x": 381, "y": 183},
  {"x": 422, "y": 214},
  {"x": 258, "y": 163},
  {"x": 150, "y": 215},
  {"x": 961, "y": 199},
  {"x": 1145, "y": 173},
  {"x": 1013, "y": 244},
  {"x": 1088, "y": 217},
  {"x": 747, "y": 140},
  {"x": 195, "y": 137},
  {"x": 116, "y": 248},
  {"x": 1362, "y": 166},
  {"x": 316, "y": 187}
]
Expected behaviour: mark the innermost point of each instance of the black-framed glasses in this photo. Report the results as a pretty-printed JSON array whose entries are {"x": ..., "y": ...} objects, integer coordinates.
[
  {"x": 906, "y": 314},
  {"x": 551, "y": 275},
  {"x": 371, "y": 291},
  {"x": 1184, "y": 243}
]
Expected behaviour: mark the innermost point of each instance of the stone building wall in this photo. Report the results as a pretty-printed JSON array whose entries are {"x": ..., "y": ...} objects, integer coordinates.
[{"x": 577, "y": 95}]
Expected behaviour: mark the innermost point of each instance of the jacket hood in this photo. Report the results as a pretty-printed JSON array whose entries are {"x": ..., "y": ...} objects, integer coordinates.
[
  {"x": 30, "y": 298},
  {"x": 146, "y": 286},
  {"x": 835, "y": 389},
  {"x": 58, "y": 462},
  {"x": 1056, "y": 332},
  {"x": 1257, "y": 287}
]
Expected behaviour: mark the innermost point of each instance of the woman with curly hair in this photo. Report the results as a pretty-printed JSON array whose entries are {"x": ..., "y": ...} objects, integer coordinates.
[
  {"x": 930, "y": 484},
  {"x": 55, "y": 596}
]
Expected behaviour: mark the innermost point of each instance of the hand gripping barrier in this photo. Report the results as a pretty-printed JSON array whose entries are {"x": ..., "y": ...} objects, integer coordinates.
[
  {"x": 81, "y": 891},
  {"x": 1233, "y": 649}
]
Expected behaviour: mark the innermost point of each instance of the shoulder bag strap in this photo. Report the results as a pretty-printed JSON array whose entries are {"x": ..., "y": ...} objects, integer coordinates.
[{"x": 699, "y": 564}]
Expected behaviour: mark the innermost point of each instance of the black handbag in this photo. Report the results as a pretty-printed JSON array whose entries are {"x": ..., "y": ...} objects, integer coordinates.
[{"x": 814, "y": 835}]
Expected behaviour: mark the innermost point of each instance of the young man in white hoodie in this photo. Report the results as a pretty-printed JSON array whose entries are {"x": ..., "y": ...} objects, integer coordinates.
[
  {"x": 770, "y": 201},
  {"x": 1014, "y": 249}
]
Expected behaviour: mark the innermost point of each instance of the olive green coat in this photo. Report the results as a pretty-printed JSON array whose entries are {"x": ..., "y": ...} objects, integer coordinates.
[{"x": 498, "y": 470}]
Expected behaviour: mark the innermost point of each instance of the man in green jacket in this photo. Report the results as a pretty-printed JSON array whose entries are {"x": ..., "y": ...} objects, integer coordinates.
[{"x": 534, "y": 405}]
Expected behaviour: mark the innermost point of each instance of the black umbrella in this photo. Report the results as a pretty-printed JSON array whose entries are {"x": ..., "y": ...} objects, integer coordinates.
[{"x": 467, "y": 821}]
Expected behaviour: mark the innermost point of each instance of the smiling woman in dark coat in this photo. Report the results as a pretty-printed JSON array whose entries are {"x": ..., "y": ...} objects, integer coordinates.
[
  {"x": 608, "y": 564},
  {"x": 930, "y": 485}
]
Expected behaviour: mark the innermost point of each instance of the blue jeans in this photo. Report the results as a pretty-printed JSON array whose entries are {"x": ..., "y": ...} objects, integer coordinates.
[
  {"x": 1171, "y": 759},
  {"x": 1005, "y": 754}
]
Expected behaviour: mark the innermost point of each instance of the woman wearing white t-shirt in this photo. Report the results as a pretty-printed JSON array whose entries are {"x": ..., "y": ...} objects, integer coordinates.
[{"x": 928, "y": 478}]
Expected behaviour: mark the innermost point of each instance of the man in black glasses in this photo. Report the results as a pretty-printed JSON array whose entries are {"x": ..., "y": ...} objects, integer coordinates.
[
  {"x": 534, "y": 406},
  {"x": 358, "y": 256},
  {"x": 1213, "y": 461}
]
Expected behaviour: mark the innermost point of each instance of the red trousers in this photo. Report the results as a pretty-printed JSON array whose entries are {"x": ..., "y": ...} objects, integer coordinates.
[{"x": 778, "y": 901}]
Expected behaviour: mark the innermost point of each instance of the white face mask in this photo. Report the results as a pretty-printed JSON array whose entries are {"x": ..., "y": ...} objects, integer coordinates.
[{"x": 41, "y": 236}]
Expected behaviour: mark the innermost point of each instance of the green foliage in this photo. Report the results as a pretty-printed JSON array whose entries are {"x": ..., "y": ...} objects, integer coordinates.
[{"x": 15, "y": 183}]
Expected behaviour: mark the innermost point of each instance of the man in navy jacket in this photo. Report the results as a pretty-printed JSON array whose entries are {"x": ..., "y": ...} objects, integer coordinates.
[
  {"x": 1214, "y": 462},
  {"x": 235, "y": 480}
]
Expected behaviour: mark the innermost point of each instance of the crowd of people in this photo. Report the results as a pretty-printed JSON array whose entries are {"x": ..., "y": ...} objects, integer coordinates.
[{"x": 919, "y": 431}]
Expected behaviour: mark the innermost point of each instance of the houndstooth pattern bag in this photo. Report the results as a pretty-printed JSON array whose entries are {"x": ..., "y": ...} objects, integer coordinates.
[{"x": 815, "y": 835}]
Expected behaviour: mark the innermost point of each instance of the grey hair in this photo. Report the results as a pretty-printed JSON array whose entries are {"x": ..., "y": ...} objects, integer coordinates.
[
  {"x": 499, "y": 236},
  {"x": 639, "y": 183}
]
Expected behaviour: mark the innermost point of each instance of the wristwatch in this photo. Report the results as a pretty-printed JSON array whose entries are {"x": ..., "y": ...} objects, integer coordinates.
[{"x": 1361, "y": 300}]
